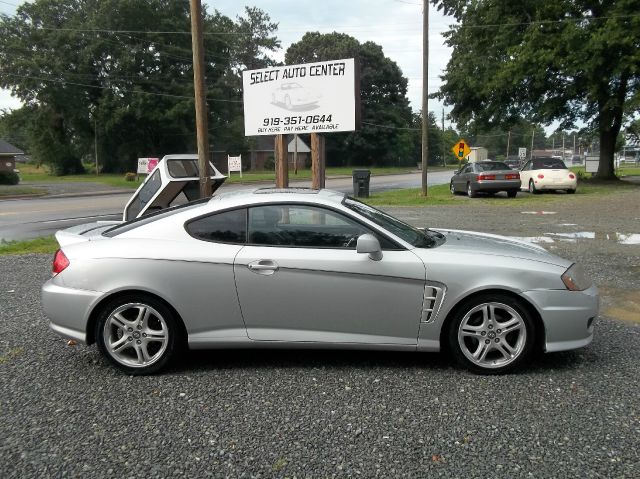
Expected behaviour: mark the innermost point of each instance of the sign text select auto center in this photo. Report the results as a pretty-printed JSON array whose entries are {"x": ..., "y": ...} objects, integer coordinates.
[{"x": 331, "y": 69}]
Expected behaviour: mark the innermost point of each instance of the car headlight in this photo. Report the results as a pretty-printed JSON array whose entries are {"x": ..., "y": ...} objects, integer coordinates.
[{"x": 575, "y": 279}]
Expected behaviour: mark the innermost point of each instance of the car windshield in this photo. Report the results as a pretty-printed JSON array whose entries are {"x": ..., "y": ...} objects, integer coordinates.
[
  {"x": 413, "y": 236},
  {"x": 548, "y": 164},
  {"x": 492, "y": 166}
]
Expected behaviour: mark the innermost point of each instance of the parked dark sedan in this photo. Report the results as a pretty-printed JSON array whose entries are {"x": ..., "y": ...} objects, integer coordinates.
[{"x": 485, "y": 177}]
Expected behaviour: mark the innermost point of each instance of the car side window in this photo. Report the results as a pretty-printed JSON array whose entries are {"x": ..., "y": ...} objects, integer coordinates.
[
  {"x": 225, "y": 227},
  {"x": 305, "y": 226}
]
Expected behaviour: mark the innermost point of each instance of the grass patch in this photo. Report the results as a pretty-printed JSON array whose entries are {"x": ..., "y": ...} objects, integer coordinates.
[
  {"x": 10, "y": 190},
  {"x": 440, "y": 195},
  {"x": 48, "y": 244}
]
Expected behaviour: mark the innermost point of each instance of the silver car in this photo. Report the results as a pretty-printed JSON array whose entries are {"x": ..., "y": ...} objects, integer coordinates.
[
  {"x": 301, "y": 268},
  {"x": 485, "y": 177}
]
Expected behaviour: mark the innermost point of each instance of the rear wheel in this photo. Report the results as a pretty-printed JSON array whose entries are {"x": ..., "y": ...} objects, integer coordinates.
[
  {"x": 470, "y": 192},
  {"x": 570, "y": 192},
  {"x": 138, "y": 334},
  {"x": 492, "y": 334},
  {"x": 532, "y": 188},
  {"x": 512, "y": 193}
]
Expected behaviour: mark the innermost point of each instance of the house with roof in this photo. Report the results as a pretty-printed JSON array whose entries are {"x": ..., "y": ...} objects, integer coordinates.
[{"x": 8, "y": 154}]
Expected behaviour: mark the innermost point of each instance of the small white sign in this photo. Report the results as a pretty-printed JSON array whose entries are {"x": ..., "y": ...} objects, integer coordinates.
[
  {"x": 592, "y": 162},
  {"x": 235, "y": 164},
  {"x": 308, "y": 98},
  {"x": 146, "y": 165},
  {"x": 522, "y": 153}
]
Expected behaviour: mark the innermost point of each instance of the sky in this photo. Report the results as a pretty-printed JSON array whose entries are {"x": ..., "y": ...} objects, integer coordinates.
[{"x": 396, "y": 25}]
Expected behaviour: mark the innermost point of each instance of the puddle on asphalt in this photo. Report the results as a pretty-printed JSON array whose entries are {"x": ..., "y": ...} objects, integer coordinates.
[
  {"x": 550, "y": 238},
  {"x": 620, "y": 304}
]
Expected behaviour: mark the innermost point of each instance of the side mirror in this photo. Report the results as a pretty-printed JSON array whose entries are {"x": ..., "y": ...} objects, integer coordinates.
[{"x": 369, "y": 244}]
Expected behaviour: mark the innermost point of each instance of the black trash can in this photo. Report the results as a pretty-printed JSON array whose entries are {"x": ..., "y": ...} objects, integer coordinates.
[{"x": 361, "y": 183}]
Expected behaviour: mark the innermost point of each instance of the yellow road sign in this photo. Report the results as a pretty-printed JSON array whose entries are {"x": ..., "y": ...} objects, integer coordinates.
[{"x": 461, "y": 150}]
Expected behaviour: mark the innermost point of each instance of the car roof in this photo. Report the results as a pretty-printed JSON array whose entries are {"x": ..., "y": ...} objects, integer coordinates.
[{"x": 256, "y": 196}]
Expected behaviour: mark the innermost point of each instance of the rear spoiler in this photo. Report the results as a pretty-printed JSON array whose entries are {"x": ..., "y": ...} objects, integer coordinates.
[{"x": 81, "y": 233}]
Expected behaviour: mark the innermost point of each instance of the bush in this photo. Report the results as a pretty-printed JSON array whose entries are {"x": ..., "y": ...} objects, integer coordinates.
[
  {"x": 130, "y": 176},
  {"x": 270, "y": 163},
  {"x": 9, "y": 178}
]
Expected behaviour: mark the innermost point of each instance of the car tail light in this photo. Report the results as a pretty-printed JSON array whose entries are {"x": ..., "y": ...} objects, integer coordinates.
[
  {"x": 60, "y": 263},
  {"x": 572, "y": 176},
  {"x": 512, "y": 176},
  {"x": 540, "y": 175},
  {"x": 486, "y": 177}
]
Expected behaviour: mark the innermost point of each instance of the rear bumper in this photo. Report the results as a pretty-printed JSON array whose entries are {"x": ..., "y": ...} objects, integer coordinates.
[
  {"x": 497, "y": 185},
  {"x": 568, "y": 316},
  {"x": 564, "y": 185},
  {"x": 67, "y": 310}
]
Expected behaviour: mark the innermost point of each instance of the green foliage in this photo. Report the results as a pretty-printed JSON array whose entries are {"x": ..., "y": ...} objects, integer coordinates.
[
  {"x": 9, "y": 178},
  {"x": 80, "y": 79},
  {"x": 130, "y": 176},
  {"x": 270, "y": 163},
  {"x": 560, "y": 60},
  {"x": 383, "y": 101},
  {"x": 47, "y": 244}
]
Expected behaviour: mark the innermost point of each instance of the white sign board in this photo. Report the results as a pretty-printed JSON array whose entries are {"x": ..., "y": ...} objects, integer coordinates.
[
  {"x": 312, "y": 97},
  {"x": 234, "y": 164},
  {"x": 522, "y": 153},
  {"x": 592, "y": 162},
  {"x": 146, "y": 165}
]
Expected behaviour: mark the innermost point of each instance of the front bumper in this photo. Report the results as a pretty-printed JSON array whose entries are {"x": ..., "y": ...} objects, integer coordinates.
[
  {"x": 568, "y": 316},
  {"x": 68, "y": 309}
]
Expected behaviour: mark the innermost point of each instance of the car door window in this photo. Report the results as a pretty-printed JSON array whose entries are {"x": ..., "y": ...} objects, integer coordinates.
[
  {"x": 225, "y": 227},
  {"x": 305, "y": 226}
]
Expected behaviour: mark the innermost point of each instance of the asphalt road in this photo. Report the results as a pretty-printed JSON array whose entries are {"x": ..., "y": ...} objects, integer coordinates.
[
  {"x": 30, "y": 218},
  {"x": 65, "y": 413}
]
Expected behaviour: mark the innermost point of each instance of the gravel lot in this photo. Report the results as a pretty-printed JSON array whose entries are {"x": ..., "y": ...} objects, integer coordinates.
[{"x": 64, "y": 412}]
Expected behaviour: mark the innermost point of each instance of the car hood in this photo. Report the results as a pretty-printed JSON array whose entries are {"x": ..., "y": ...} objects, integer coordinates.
[{"x": 495, "y": 245}]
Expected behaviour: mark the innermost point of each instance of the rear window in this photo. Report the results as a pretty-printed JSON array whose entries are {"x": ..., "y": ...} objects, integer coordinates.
[
  {"x": 143, "y": 220},
  {"x": 492, "y": 166},
  {"x": 225, "y": 227},
  {"x": 548, "y": 164}
]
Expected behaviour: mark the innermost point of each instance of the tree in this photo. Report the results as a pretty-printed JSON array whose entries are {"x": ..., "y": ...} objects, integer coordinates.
[
  {"x": 104, "y": 66},
  {"x": 383, "y": 138},
  {"x": 545, "y": 60}
]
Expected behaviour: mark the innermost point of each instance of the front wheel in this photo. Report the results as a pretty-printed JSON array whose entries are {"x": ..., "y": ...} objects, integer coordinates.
[
  {"x": 452, "y": 188},
  {"x": 570, "y": 192},
  {"x": 492, "y": 334},
  {"x": 470, "y": 192},
  {"x": 138, "y": 334}
]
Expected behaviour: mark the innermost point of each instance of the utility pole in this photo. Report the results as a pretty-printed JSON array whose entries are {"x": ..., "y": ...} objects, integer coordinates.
[
  {"x": 444, "y": 162},
  {"x": 563, "y": 146},
  {"x": 295, "y": 154},
  {"x": 95, "y": 140},
  {"x": 508, "y": 145},
  {"x": 200, "y": 97},
  {"x": 574, "y": 143},
  {"x": 425, "y": 93},
  {"x": 533, "y": 134}
]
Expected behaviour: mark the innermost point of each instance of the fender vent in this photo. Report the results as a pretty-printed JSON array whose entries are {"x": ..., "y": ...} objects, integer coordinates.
[{"x": 433, "y": 296}]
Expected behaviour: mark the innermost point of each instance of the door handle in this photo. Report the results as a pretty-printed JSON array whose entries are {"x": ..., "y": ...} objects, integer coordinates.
[{"x": 264, "y": 267}]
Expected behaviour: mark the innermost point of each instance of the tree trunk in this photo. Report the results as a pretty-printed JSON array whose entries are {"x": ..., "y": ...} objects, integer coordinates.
[
  {"x": 609, "y": 122},
  {"x": 607, "y": 146}
]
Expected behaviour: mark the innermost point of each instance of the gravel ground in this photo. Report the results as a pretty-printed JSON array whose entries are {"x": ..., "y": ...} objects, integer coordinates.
[{"x": 65, "y": 413}]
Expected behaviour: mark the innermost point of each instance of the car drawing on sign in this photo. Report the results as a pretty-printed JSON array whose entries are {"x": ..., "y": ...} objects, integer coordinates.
[
  {"x": 485, "y": 177},
  {"x": 546, "y": 173},
  {"x": 301, "y": 268},
  {"x": 292, "y": 95}
]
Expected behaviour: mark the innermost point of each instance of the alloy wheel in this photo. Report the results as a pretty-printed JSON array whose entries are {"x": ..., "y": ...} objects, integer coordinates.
[{"x": 492, "y": 335}]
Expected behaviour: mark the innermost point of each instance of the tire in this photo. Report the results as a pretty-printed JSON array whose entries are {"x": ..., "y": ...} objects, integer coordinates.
[
  {"x": 512, "y": 193},
  {"x": 452, "y": 188},
  {"x": 475, "y": 342},
  {"x": 532, "y": 188},
  {"x": 138, "y": 334},
  {"x": 470, "y": 192},
  {"x": 570, "y": 192}
]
